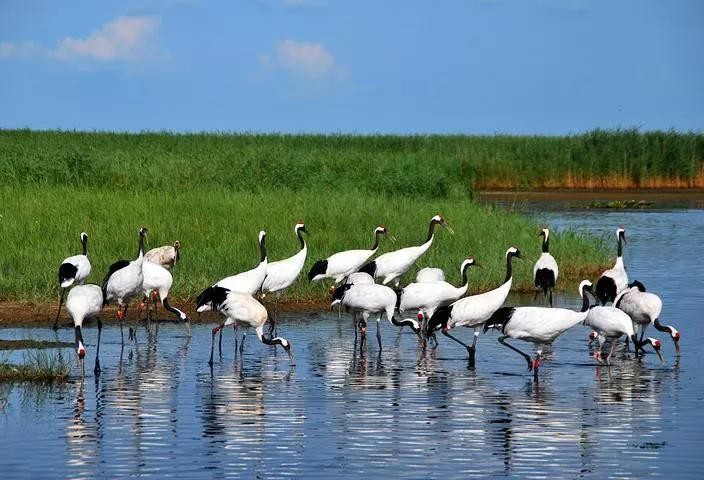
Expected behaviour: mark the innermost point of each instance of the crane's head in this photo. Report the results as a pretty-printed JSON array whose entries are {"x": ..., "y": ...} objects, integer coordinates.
[
  {"x": 339, "y": 294},
  {"x": 545, "y": 232},
  {"x": 656, "y": 344},
  {"x": 84, "y": 237},
  {"x": 300, "y": 228},
  {"x": 468, "y": 262},
  {"x": 437, "y": 219},
  {"x": 81, "y": 350},
  {"x": 584, "y": 287},
  {"x": 621, "y": 234},
  {"x": 262, "y": 236},
  {"x": 638, "y": 285},
  {"x": 177, "y": 245},
  {"x": 513, "y": 252},
  {"x": 143, "y": 232},
  {"x": 382, "y": 230}
]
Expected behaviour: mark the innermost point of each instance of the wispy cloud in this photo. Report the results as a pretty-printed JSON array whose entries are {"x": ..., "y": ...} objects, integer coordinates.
[
  {"x": 306, "y": 59},
  {"x": 126, "y": 39}
]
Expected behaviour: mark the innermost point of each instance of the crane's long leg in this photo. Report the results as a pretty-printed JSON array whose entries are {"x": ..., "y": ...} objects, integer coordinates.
[
  {"x": 220, "y": 342},
  {"x": 502, "y": 341},
  {"x": 96, "y": 370},
  {"x": 378, "y": 331},
  {"x": 244, "y": 334},
  {"x": 550, "y": 297},
  {"x": 61, "y": 302},
  {"x": 119, "y": 318}
]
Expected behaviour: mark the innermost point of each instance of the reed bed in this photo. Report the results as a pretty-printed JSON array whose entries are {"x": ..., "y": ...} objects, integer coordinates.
[{"x": 433, "y": 166}]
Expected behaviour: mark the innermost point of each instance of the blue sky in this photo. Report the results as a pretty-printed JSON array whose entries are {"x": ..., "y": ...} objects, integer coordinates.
[{"x": 394, "y": 66}]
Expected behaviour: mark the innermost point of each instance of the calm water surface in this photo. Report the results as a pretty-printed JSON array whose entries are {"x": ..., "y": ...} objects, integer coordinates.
[{"x": 158, "y": 409}]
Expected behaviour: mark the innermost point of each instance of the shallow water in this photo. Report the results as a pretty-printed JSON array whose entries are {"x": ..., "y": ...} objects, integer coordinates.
[{"x": 159, "y": 410}]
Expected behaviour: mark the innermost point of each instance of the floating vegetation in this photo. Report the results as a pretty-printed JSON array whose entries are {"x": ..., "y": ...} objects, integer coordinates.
[
  {"x": 37, "y": 366},
  {"x": 32, "y": 344},
  {"x": 622, "y": 204}
]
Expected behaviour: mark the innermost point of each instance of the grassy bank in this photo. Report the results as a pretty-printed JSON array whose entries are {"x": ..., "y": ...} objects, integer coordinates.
[
  {"x": 430, "y": 166},
  {"x": 218, "y": 231}
]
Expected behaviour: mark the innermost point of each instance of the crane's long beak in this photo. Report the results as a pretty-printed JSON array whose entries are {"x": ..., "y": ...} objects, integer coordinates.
[
  {"x": 448, "y": 227},
  {"x": 390, "y": 237},
  {"x": 662, "y": 360}
]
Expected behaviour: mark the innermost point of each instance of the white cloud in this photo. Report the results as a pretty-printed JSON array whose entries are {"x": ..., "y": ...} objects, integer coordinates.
[
  {"x": 309, "y": 59},
  {"x": 127, "y": 38}
]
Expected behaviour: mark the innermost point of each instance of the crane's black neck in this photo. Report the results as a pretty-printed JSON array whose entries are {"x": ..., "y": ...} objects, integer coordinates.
[
  {"x": 79, "y": 335},
  {"x": 172, "y": 309},
  {"x": 84, "y": 241},
  {"x": 546, "y": 244},
  {"x": 140, "y": 250},
  {"x": 377, "y": 234},
  {"x": 299, "y": 233},
  {"x": 262, "y": 249},
  {"x": 405, "y": 323},
  {"x": 465, "y": 276},
  {"x": 585, "y": 301},
  {"x": 662, "y": 328},
  {"x": 431, "y": 229},
  {"x": 509, "y": 266},
  {"x": 620, "y": 245}
]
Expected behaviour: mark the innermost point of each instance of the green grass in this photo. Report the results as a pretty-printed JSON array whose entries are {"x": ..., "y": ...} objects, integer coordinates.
[
  {"x": 37, "y": 366},
  {"x": 415, "y": 166},
  {"x": 218, "y": 231}
]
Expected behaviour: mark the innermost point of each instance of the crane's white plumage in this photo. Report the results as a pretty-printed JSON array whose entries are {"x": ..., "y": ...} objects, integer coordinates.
[
  {"x": 644, "y": 308},
  {"x": 281, "y": 274},
  {"x": 430, "y": 274},
  {"x": 428, "y": 296},
  {"x": 124, "y": 279},
  {"x": 159, "y": 279},
  {"x": 342, "y": 264},
  {"x": 75, "y": 269},
  {"x": 390, "y": 266},
  {"x": 246, "y": 311},
  {"x": 82, "y": 303},
  {"x": 538, "y": 325},
  {"x": 166, "y": 256},
  {"x": 545, "y": 270},
  {"x": 371, "y": 298},
  {"x": 249, "y": 282},
  {"x": 473, "y": 311},
  {"x": 615, "y": 279},
  {"x": 359, "y": 278}
]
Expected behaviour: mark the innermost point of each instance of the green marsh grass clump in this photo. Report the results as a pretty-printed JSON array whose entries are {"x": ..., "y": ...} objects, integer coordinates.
[
  {"x": 218, "y": 232},
  {"x": 37, "y": 366}
]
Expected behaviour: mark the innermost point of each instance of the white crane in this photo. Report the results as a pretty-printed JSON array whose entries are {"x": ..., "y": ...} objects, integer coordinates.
[
  {"x": 610, "y": 323},
  {"x": 545, "y": 270},
  {"x": 124, "y": 281},
  {"x": 428, "y": 296},
  {"x": 615, "y": 279},
  {"x": 281, "y": 274},
  {"x": 390, "y": 266},
  {"x": 243, "y": 309},
  {"x": 249, "y": 282},
  {"x": 537, "y": 325},
  {"x": 474, "y": 310},
  {"x": 74, "y": 270},
  {"x": 340, "y": 265},
  {"x": 85, "y": 302},
  {"x": 371, "y": 298},
  {"x": 644, "y": 308},
  {"x": 166, "y": 256},
  {"x": 158, "y": 279}
]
